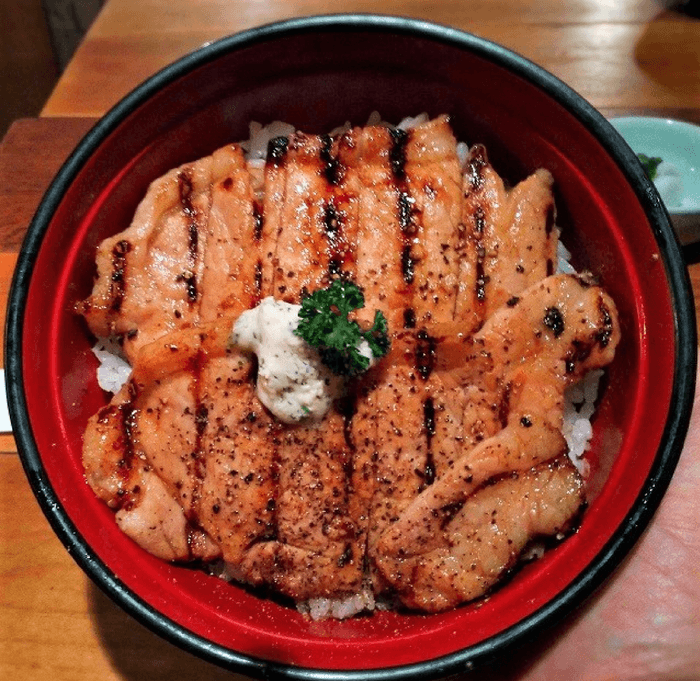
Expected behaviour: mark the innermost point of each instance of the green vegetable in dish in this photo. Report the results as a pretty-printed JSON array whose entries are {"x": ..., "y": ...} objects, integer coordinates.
[
  {"x": 324, "y": 324},
  {"x": 650, "y": 164}
]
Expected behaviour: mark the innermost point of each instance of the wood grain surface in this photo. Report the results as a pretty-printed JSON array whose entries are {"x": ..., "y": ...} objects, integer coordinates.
[
  {"x": 626, "y": 57},
  {"x": 616, "y": 54}
]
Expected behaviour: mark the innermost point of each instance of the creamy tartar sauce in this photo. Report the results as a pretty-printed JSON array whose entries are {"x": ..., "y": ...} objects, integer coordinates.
[{"x": 292, "y": 383}]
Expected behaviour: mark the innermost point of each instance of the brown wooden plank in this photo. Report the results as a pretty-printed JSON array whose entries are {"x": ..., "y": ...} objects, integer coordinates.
[
  {"x": 31, "y": 154},
  {"x": 55, "y": 623},
  {"x": 614, "y": 54}
]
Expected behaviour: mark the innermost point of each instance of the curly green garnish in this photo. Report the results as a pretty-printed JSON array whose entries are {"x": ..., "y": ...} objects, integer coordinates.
[
  {"x": 324, "y": 323},
  {"x": 650, "y": 164}
]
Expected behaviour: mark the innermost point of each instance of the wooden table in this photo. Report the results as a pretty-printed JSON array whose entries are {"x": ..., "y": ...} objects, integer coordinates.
[{"x": 627, "y": 56}]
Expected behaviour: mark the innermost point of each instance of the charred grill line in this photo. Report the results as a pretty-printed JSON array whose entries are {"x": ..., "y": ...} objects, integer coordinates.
[
  {"x": 550, "y": 219},
  {"x": 504, "y": 406},
  {"x": 128, "y": 414},
  {"x": 333, "y": 222},
  {"x": 346, "y": 556},
  {"x": 482, "y": 279},
  {"x": 118, "y": 278},
  {"x": 425, "y": 354},
  {"x": 409, "y": 318},
  {"x": 397, "y": 153},
  {"x": 605, "y": 333},
  {"x": 477, "y": 234},
  {"x": 479, "y": 220},
  {"x": 272, "y": 530},
  {"x": 477, "y": 162},
  {"x": 257, "y": 221},
  {"x": 347, "y": 408},
  {"x": 406, "y": 213},
  {"x": 408, "y": 264},
  {"x": 404, "y": 202},
  {"x": 277, "y": 151},
  {"x": 449, "y": 511},
  {"x": 332, "y": 168},
  {"x": 335, "y": 268},
  {"x": 409, "y": 228},
  {"x": 189, "y": 277}
]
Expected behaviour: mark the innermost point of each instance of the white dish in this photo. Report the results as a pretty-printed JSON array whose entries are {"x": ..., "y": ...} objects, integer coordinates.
[{"x": 677, "y": 143}]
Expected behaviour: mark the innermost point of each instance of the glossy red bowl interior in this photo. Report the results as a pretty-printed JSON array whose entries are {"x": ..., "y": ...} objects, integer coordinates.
[{"x": 317, "y": 74}]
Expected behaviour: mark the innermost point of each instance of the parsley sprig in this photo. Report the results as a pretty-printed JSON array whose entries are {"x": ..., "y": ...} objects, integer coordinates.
[
  {"x": 650, "y": 164},
  {"x": 324, "y": 323}
]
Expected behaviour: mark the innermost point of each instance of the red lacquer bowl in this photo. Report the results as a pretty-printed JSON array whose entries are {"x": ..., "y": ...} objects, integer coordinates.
[{"x": 318, "y": 73}]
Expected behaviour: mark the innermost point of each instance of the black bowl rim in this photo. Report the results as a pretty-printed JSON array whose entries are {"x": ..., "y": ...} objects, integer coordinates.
[{"x": 603, "y": 564}]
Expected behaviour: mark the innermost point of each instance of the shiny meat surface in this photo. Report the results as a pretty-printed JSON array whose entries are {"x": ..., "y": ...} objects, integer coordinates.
[
  {"x": 436, "y": 469},
  {"x": 185, "y": 258}
]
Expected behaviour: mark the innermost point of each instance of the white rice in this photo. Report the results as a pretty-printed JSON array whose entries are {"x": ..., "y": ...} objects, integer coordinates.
[
  {"x": 113, "y": 370},
  {"x": 338, "y": 608},
  {"x": 579, "y": 406}
]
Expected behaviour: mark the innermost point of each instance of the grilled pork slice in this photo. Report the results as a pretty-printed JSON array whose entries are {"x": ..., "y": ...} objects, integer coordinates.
[
  {"x": 509, "y": 240},
  {"x": 430, "y": 206},
  {"x": 391, "y": 443},
  {"x": 229, "y": 283},
  {"x": 179, "y": 450},
  {"x": 296, "y": 218},
  {"x": 405, "y": 189},
  {"x": 364, "y": 154},
  {"x": 147, "y": 509},
  {"x": 315, "y": 551},
  {"x": 173, "y": 266},
  {"x": 484, "y": 540},
  {"x": 522, "y": 360}
]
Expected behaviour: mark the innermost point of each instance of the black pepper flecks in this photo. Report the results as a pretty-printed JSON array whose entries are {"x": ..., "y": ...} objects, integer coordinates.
[{"x": 554, "y": 320}]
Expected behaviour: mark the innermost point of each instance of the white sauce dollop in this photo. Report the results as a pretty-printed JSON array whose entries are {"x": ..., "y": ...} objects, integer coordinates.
[{"x": 292, "y": 383}]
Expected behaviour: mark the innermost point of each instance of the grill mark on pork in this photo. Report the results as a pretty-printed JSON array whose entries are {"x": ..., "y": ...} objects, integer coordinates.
[
  {"x": 118, "y": 278},
  {"x": 476, "y": 219},
  {"x": 550, "y": 219},
  {"x": 476, "y": 165},
  {"x": 310, "y": 239},
  {"x": 397, "y": 154},
  {"x": 409, "y": 318},
  {"x": 405, "y": 209},
  {"x": 126, "y": 416},
  {"x": 481, "y": 278},
  {"x": 332, "y": 168},
  {"x": 408, "y": 264},
  {"x": 510, "y": 237},
  {"x": 504, "y": 405},
  {"x": 338, "y": 247},
  {"x": 189, "y": 277},
  {"x": 277, "y": 151},
  {"x": 425, "y": 353},
  {"x": 606, "y": 330},
  {"x": 258, "y": 221},
  {"x": 123, "y": 415}
]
